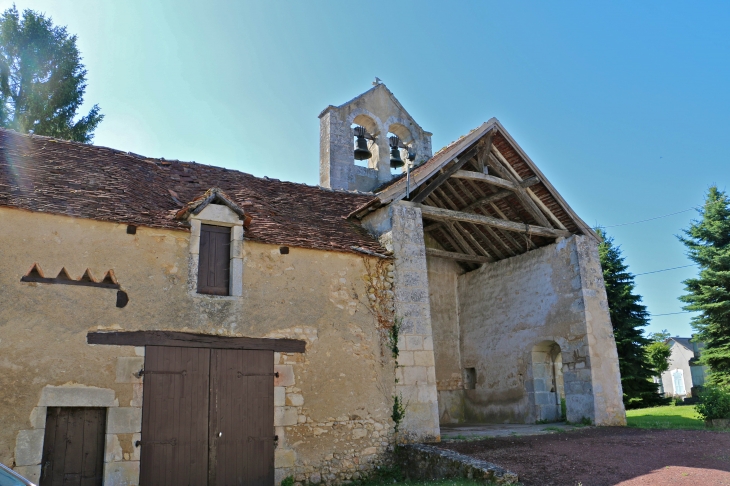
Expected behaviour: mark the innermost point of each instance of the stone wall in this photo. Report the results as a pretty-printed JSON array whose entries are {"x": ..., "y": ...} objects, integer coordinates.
[
  {"x": 379, "y": 112},
  {"x": 444, "y": 306},
  {"x": 332, "y": 413},
  {"x": 426, "y": 462},
  {"x": 416, "y": 374},
  {"x": 513, "y": 307}
]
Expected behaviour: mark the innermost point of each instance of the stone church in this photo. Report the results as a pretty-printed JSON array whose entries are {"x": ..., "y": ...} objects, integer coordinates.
[{"x": 166, "y": 322}]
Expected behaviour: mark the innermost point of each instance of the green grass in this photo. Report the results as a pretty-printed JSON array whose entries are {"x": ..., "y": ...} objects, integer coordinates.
[
  {"x": 668, "y": 417},
  {"x": 440, "y": 482}
]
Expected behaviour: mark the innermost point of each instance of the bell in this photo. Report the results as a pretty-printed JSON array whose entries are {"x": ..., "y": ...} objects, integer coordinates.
[
  {"x": 361, "y": 145},
  {"x": 395, "y": 161}
]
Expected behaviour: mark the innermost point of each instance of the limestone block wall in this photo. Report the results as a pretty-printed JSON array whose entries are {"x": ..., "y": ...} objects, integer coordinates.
[
  {"x": 550, "y": 295},
  {"x": 444, "y": 306},
  {"x": 333, "y": 413},
  {"x": 417, "y": 373},
  {"x": 380, "y": 113},
  {"x": 605, "y": 374}
]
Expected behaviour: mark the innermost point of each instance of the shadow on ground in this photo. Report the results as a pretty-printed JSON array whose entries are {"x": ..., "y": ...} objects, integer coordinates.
[{"x": 602, "y": 456}]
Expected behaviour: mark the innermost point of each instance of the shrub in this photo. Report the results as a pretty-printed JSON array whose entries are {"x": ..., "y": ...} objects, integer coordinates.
[{"x": 714, "y": 403}]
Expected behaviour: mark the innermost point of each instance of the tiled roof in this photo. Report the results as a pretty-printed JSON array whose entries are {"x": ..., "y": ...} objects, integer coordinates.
[{"x": 55, "y": 176}]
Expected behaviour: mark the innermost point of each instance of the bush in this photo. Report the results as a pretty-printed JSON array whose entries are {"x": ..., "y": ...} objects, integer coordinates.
[{"x": 714, "y": 403}]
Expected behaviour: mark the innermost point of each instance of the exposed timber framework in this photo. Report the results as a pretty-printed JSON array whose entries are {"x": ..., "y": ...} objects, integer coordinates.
[{"x": 482, "y": 200}]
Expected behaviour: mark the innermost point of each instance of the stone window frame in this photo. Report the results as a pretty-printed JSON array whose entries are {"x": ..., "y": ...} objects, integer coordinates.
[{"x": 217, "y": 215}]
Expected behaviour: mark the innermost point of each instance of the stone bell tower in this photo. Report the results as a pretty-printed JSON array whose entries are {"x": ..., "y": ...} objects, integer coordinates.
[{"x": 382, "y": 116}]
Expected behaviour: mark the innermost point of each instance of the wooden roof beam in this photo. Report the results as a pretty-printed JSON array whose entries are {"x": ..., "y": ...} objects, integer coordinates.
[
  {"x": 521, "y": 194},
  {"x": 474, "y": 227},
  {"x": 458, "y": 164},
  {"x": 489, "y": 179},
  {"x": 495, "y": 234},
  {"x": 458, "y": 256},
  {"x": 483, "y": 150},
  {"x": 501, "y": 194},
  {"x": 449, "y": 215}
]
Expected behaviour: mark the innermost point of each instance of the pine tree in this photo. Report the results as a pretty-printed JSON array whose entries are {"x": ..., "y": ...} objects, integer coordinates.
[
  {"x": 42, "y": 79},
  {"x": 628, "y": 317},
  {"x": 708, "y": 245}
]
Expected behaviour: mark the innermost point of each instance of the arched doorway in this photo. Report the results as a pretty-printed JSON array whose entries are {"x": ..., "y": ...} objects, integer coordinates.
[{"x": 548, "y": 390}]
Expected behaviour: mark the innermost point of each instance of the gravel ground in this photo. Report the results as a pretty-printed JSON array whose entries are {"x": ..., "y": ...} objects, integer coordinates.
[{"x": 602, "y": 456}]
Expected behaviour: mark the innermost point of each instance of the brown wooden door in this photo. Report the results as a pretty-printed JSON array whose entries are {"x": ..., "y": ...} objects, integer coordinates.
[
  {"x": 207, "y": 417},
  {"x": 175, "y": 416},
  {"x": 241, "y": 418},
  {"x": 73, "y": 447}
]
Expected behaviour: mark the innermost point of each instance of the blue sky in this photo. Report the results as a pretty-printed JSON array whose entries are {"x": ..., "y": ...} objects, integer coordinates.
[{"x": 623, "y": 105}]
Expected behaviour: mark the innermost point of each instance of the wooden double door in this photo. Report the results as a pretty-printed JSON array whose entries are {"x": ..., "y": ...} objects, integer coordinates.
[{"x": 207, "y": 417}]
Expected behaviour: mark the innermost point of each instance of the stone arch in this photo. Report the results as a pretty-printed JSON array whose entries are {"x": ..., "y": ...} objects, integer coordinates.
[
  {"x": 546, "y": 386},
  {"x": 373, "y": 125},
  {"x": 406, "y": 138}
]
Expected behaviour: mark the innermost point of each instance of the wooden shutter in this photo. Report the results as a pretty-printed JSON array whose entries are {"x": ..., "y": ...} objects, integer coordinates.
[
  {"x": 73, "y": 447},
  {"x": 215, "y": 260}
]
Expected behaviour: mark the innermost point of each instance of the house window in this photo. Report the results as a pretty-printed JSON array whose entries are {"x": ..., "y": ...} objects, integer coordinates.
[{"x": 215, "y": 260}]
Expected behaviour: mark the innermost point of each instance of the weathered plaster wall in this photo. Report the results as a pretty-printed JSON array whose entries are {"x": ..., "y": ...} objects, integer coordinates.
[
  {"x": 552, "y": 294},
  {"x": 444, "y": 303},
  {"x": 333, "y": 402}
]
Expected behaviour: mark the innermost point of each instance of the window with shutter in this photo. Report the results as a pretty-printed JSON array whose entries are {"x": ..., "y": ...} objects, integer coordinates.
[{"x": 215, "y": 260}]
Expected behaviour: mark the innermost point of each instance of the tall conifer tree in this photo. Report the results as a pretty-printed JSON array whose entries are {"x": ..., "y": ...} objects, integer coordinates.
[
  {"x": 42, "y": 79},
  {"x": 628, "y": 317},
  {"x": 708, "y": 245}
]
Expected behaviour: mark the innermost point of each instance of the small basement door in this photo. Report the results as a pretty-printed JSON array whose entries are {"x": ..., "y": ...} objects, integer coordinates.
[
  {"x": 207, "y": 417},
  {"x": 73, "y": 447}
]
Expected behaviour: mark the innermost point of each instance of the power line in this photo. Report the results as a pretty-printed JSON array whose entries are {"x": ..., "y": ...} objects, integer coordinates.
[
  {"x": 669, "y": 313},
  {"x": 663, "y": 270},
  {"x": 650, "y": 219}
]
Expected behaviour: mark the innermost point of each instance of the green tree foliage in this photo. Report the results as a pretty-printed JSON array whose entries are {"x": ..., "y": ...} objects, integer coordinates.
[
  {"x": 42, "y": 80},
  {"x": 658, "y": 352},
  {"x": 708, "y": 245},
  {"x": 628, "y": 317}
]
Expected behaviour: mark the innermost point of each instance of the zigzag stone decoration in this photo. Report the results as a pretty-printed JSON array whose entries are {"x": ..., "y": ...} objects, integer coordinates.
[{"x": 35, "y": 274}]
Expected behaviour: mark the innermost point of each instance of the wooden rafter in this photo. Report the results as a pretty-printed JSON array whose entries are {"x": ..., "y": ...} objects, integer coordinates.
[
  {"x": 458, "y": 256},
  {"x": 483, "y": 150},
  {"x": 474, "y": 227},
  {"x": 453, "y": 229},
  {"x": 520, "y": 192},
  {"x": 489, "y": 179},
  {"x": 486, "y": 199},
  {"x": 457, "y": 227},
  {"x": 492, "y": 232},
  {"x": 445, "y": 174},
  {"x": 459, "y": 216},
  {"x": 527, "y": 240}
]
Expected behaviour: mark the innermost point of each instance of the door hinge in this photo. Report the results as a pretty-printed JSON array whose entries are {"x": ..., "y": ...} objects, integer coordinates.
[
  {"x": 142, "y": 372},
  {"x": 172, "y": 442},
  {"x": 275, "y": 374},
  {"x": 252, "y": 438}
]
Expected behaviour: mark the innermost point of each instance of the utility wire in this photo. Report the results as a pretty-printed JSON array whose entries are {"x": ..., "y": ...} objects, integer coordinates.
[
  {"x": 670, "y": 313},
  {"x": 663, "y": 270},
  {"x": 650, "y": 219}
]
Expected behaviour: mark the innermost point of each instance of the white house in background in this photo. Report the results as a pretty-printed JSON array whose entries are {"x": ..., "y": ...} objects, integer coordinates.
[{"x": 684, "y": 372}]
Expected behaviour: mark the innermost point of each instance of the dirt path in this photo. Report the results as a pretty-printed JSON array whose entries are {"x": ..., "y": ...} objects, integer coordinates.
[{"x": 602, "y": 456}]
